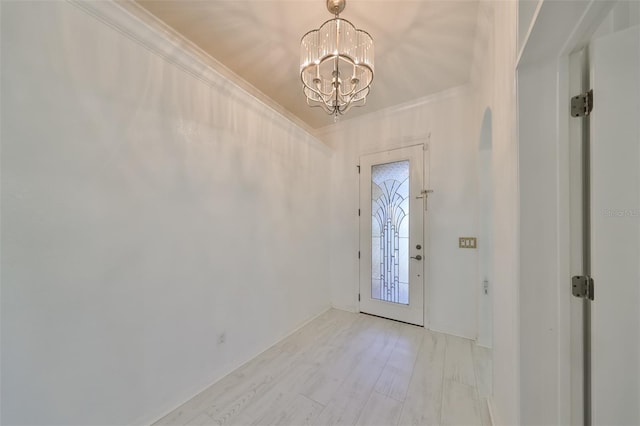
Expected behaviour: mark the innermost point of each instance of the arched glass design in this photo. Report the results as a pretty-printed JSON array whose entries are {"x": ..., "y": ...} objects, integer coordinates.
[{"x": 390, "y": 232}]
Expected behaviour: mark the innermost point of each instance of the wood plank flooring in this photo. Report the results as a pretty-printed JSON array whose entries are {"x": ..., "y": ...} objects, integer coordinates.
[{"x": 351, "y": 369}]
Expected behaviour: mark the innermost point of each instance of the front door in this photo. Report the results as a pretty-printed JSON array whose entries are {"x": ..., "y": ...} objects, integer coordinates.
[{"x": 392, "y": 250}]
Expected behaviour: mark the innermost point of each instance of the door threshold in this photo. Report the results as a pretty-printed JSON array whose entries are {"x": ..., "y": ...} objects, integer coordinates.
[{"x": 391, "y": 319}]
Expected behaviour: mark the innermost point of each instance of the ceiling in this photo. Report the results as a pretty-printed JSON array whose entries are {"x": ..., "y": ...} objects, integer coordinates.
[{"x": 421, "y": 46}]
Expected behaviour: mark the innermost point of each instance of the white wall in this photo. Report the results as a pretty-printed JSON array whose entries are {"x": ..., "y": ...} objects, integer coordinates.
[
  {"x": 441, "y": 121},
  {"x": 147, "y": 207},
  {"x": 493, "y": 81}
]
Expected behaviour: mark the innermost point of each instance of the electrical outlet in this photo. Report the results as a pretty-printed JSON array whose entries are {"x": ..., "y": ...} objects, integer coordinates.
[
  {"x": 467, "y": 242},
  {"x": 221, "y": 338}
]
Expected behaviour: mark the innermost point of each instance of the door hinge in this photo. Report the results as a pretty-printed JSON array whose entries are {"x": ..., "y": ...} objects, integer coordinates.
[
  {"x": 358, "y": 255},
  {"x": 582, "y": 287},
  {"x": 582, "y": 105},
  {"x": 358, "y": 297},
  {"x": 358, "y": 169},
  {"x": 358, "y": 212}
]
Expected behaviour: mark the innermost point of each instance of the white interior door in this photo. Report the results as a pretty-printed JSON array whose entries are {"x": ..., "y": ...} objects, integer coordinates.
[
  {"x": 392, "y": 253},
  {"x": 615, "y": 228}
]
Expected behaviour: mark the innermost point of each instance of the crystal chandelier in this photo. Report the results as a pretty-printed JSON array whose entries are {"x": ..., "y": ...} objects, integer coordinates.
[{"x": 336, "y": 64}]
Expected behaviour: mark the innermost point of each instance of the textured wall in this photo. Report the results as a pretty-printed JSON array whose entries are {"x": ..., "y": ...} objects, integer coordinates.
[{"x": 146, "y": 210}]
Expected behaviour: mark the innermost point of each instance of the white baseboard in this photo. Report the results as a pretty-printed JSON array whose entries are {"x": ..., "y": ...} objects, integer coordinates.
[
  {"x": 346, "y": 308},
  {"x": 444, "y": 330}
]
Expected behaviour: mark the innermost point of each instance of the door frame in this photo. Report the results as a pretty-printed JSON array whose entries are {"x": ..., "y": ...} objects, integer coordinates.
[
  {"x": 557, "y": 30},
  {"x": 424, "y": 144}
]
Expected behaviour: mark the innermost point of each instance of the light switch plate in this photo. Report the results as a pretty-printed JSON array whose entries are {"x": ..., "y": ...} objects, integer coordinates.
[{"x": 467, "y": 242}]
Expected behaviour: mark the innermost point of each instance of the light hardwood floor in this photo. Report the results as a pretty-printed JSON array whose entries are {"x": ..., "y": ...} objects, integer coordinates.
[{"x": 351, "y": 369}]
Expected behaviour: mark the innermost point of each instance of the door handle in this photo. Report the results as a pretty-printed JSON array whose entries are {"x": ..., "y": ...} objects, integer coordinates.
[
  {"x": 424, "y": 194},
  {"x": 417, "y": 257}
]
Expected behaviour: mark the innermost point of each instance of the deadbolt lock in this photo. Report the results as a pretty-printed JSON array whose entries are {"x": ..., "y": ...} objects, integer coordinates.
[{"x": 418, "y": 246}]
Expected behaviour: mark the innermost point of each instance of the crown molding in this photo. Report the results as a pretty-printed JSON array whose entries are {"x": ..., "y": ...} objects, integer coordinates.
[
  {"x": 138, "y": 24},
  {"x": 322, "y": 132}
]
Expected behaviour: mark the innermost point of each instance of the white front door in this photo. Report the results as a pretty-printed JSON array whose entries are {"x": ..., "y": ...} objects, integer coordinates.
[
  {"x": 615, "y": 228},
  {"x": 392, "y": 253}
]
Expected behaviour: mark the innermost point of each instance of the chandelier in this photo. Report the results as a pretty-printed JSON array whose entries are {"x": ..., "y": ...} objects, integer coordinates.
[{"x": 336, "y": 64}]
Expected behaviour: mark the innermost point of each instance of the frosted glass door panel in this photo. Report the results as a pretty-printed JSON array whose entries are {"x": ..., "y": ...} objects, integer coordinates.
[{"x": 390, "y": 232}]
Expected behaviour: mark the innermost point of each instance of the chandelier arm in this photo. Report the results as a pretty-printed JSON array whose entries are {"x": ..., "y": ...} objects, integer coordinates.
[
  {"x": 318, "y": 91},
  {"x": 315, "y": 90},
  {"x": 329, "y": 109},
  {"x": 320, "y": 105},
  {"x": 349, "y": 93},
  {"x": 325, "y": 94},
  {"x": 367, "y": 88},
  {"x": 360, "y": 103},
  {"x": 324, "y": 101},
  {"x": 346, "y": 107},
  {"x": 352, "y": 93}
]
